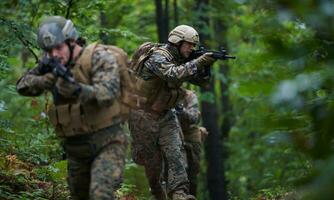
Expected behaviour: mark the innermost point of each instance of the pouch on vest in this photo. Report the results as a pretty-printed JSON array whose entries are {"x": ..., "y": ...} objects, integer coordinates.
[
  {"x": 53, "y": 116},
  {"x": 167, "y": 99},
  {"x": 61, "y": 119},
  {"x": 78, "y": 123}
]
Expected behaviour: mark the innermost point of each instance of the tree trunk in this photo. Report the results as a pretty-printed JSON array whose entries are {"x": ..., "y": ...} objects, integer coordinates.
[
  {"x": 225, "y": 102},
  {"x": 162, "y": 20},
  {"x": 104, "y": 24},
  {"x": 213, "y": 149},
  {"x": 213, "y": 144},
  {"x": 176, "y": 13},
  {"x": 166, "y": 21}
]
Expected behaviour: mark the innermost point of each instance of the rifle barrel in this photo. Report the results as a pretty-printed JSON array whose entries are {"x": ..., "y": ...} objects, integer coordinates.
[{"x": 230, "y": 57}]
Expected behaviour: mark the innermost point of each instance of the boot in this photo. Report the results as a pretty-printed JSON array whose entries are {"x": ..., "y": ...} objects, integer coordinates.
[{"x": 181, "y": 195}]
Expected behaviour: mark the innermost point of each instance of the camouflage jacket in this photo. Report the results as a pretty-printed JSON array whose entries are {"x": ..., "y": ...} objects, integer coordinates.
[
  {"x": 105, "y": 80},
  {"x": 168, "y": 65}
]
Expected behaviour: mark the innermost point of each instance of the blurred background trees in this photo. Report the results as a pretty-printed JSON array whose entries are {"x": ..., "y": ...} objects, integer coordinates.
[{"x": 269, "y": 112}]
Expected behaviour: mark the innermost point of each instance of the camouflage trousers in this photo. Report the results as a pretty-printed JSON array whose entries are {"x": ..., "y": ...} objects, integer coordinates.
[
  {"x": 156, "y": 144},
  {"x": 193, "y": 151},
  {"x": 95, "y": 163}
]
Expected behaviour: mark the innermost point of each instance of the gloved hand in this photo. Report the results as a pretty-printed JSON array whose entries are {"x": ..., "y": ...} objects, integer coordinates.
[
  {"x": 204, "y": 60},
  {"x": 204, "y": 133},
  {"x": 67, "y": 89},
  {"x": 45, "y": 81},
  {"x": 179, "y": 109}
]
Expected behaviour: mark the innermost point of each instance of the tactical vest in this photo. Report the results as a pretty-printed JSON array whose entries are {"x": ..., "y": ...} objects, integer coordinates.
[
  {"x": 72, "y": 118},
  {"x": 156, "y": 92}
]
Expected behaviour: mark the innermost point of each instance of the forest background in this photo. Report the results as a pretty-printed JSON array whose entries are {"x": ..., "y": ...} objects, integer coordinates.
[{"x": 270, "y": 112}]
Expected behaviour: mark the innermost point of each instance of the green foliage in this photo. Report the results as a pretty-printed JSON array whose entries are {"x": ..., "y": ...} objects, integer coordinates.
[
  {"x": 135, "y": 183},
  {"x": 29, "y": 135},
  {"x": 208, "y": 97},
  {"x": 282, "y": 95},
  {"x": 20, "y": 180},
  {"x": 281, "y": 91}
]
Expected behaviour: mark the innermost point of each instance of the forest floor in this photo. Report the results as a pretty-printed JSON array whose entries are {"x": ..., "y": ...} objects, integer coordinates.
[{"x": 21, "y": 180}]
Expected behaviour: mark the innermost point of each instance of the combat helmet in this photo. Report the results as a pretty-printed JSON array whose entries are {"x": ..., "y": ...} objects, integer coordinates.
[
  {"x": 55, "y": 30},
  {"x": 183, "y": 33}
]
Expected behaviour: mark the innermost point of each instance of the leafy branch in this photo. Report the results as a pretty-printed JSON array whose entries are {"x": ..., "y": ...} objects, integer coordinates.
[{"x": 19, "y": 35}]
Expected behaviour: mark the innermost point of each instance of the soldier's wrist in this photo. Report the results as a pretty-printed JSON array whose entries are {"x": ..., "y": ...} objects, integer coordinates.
[
  {"x": 199, "y": 65},
  {"x": 87, "y": 92},
  {"x": 37, "y": 82},
  {"x": 191, "y": 67}
]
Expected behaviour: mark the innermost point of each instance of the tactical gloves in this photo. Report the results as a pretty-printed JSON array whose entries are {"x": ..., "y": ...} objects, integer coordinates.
[
  {"x": 67, "y": 89},
  {"x": 88, "y": 92},
  {"x": 204, "y": 133},
  {"x": 75, "y": 90},
  {"x": 45, "y": 81},
  {"x": 204, "y": 60}
]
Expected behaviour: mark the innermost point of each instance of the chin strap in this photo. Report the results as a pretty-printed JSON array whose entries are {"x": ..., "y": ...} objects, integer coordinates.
[{"x": 71, "y": 48}]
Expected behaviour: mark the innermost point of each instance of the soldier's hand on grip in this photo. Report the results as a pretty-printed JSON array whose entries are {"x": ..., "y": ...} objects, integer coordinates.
[
  {"x": 204, "y": 133},
  {"x": 67, "y": 89},
  {"x": 204, "y": 60},
  {"x": 45, "y": 81}
]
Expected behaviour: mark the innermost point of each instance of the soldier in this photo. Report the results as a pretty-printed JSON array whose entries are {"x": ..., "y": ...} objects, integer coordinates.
[
  {"x": 188, "y": 115},
  {"x": 155, "y": 131},
  {"x": 85, "y": 112}
]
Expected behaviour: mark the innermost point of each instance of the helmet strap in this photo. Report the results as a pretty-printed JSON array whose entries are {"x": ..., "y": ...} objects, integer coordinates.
[
  {"x": 71, "y": 48},
  {"x": 178, "y": 46}
]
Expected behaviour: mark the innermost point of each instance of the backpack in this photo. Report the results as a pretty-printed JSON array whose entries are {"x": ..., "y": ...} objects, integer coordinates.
[
  {"x": 130, "y": 93},
  {"x": 141, "y": 55}
]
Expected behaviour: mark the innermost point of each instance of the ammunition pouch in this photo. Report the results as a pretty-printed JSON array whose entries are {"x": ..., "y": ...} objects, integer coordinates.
[
  {"x": 167, "y": 99},
  {"x": 156, "y": 96},
  {"x": 77, "y": 119}
]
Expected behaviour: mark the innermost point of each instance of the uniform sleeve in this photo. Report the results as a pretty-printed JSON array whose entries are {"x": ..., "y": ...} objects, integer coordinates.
[
  {"x": 161, "y": 66},
  {"x": 105, "y": 87},
  {"x": 190, "y": 113},
  {"x": 202, "y": 78},
  {"x": 26, "y": 84}
]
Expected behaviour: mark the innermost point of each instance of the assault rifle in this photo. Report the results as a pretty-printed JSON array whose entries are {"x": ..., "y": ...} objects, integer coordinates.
[
  {"x": 221, "y": 55},
  {"x": 179, "y": 108},
  {"x": 53, "y": 65}
]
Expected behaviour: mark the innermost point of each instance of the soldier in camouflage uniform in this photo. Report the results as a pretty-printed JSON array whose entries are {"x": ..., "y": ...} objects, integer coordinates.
[
  {"x": 85, "y": 112},
  {"x": 188, "y": 115},
  {"x": 155, "y": 131}
]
